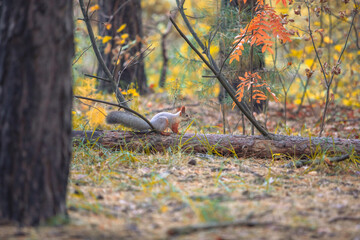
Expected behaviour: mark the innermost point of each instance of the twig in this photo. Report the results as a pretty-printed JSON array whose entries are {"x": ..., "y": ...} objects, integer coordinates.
[
  {"x": 91, "y": 106},
  {"x": 235, "y": 46},
  {"x": 175, "y": 107},
  {"x": 116, "y": 63},
  {"x": 121, "y": 106},
  {"x": 224, "y": 83},
  {"x": 100, "y": 78},
  {"x": 308, "y": 78},
  {"x": 286, "y": 90},
  {"x": 83, "y": 52},
  {"x": 100, "y": 101},
  {"x": 133, "y": 62},
  {"x": 313, "y": 43},
  {"x": 118, "y": 10}
]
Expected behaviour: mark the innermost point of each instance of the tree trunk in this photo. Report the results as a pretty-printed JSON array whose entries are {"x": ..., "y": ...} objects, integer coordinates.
[
  {"x": 229, "y": 21},
  {"x": 36, "y": 49},
  {"x": 227, "y": 145},
  {"x": 117, "y": 13}
]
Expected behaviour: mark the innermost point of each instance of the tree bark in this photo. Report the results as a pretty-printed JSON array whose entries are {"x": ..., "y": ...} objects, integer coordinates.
[
  {"x": 227, "y": 145},
  {"x": 122, "y": 12},
  {"x": 36, "y": 49}
]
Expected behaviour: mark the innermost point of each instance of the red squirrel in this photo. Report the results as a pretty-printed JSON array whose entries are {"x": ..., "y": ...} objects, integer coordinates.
[{"x": 160, "y": 121}]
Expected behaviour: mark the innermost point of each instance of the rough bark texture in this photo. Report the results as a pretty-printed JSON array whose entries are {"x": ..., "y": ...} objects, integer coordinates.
[
  {"x": 36, "y": 48},
  {"x": 243, "y": 146},
  {"x": 122, "y": 12}
]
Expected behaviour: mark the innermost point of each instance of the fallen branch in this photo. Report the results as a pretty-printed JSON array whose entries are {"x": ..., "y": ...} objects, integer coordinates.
[
  {"x": 344, "y": 218},
  {"x": 225, "y": 145},
  {"x": 176, "y": 231},
  {"x": 303, "y": 162}
]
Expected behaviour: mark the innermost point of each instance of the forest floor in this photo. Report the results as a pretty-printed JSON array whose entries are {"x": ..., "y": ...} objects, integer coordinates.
[{"x": 128, "y": 195}]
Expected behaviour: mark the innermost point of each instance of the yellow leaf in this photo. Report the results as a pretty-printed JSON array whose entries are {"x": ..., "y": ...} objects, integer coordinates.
[
  {"x": 309, "y": 49},
  {"x": 214, "y": 49},
  {"x": 124, "y": 36},
  {"x": 296, "y": 53},
  {"x": 338, "y": 47},
  {"x": 163, "y": 209},
  {"x": 328, "y": 40},
  {"x": 309, "y": 62},
  {"x": 94, "y": 8},
  {"x": 121, "y": 28},
  {"x": 133, "y": 92},
  {"x": 106, "y": 39}
]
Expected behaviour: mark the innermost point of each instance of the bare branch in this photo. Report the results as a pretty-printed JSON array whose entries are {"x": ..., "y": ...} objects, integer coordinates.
[
  {"x": 83, "y": 52},
  {"x": 121, "y": 106},
  {"x": 100, "y": 78}
]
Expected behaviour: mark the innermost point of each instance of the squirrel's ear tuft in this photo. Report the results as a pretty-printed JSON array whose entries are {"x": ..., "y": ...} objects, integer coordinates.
[{"x": 182, "y": 109}]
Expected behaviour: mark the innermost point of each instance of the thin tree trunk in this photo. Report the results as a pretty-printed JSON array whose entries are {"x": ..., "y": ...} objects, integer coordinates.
[
  {"x": 123, "y": 12},
  {"x": 36, "y": 49},
  {"x": 238, "y": 145}
]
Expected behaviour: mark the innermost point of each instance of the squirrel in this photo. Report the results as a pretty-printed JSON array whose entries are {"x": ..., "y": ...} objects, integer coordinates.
[{"x": 160, "y": 121}]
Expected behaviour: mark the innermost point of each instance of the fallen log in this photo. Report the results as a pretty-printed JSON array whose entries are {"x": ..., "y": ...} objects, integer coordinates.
[{"x": 225, "y": 145}]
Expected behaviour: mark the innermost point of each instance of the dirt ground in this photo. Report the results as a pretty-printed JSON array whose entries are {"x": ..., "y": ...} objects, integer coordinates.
[
  {"x": 127, "y": 195},
  {"x": 156, "y": 197}
]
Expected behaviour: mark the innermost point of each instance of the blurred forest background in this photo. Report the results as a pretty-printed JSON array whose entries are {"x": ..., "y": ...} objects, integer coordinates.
[
  {"x": 293, "y": 64},
  {"x": 292, "y": 70}
]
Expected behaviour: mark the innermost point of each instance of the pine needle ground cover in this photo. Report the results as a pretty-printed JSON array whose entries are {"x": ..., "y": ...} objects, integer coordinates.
[{"x": 129, "y": 195}]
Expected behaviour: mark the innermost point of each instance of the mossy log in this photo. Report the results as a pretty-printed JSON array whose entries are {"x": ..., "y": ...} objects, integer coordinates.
[{"x": 226, "y": 145}]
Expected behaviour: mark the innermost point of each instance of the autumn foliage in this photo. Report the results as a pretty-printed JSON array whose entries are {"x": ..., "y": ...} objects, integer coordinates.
[
  {"x": 253, "y": 80},
  {"x": 264, "y": 29}
]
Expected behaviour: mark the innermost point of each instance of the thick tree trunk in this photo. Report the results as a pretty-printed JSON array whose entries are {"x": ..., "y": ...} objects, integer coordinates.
[
  {"x": 122, "y": 12},
  {"x": 36, "y": 48},
  {"x": 242, "y": 146}
]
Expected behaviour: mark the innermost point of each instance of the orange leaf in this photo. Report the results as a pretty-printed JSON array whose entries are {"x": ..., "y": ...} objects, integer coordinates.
[
  {"x": 270, "y": 50},
  {"x": 263, "y": 49},
  {"x": 108, "y": 26}
]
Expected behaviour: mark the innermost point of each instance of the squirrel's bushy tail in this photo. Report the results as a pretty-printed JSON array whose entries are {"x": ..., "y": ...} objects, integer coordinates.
[{"x": 127, "y": 119}]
